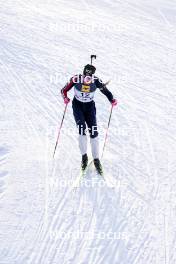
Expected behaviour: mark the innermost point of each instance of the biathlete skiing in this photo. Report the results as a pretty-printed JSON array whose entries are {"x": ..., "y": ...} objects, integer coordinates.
[{"x": 84, "y": 111}]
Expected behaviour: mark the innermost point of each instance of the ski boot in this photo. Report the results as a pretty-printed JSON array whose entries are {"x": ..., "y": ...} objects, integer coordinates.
[
  {"x": 84, "y": 161},
  {"x": 98, "y": 166}
]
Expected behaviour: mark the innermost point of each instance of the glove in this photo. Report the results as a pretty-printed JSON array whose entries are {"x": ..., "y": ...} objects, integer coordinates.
[
  {"x": 66, "y": 100},
  {"x": 114, "y": 102}
]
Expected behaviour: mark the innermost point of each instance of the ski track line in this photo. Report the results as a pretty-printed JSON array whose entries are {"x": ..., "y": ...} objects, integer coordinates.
[
  {"x": 91, "y": 244},
  {"x": 108, "y": 252},
  {"x": 51, "y": 249},
  {"x": 56, "y": 221},
  {"x": 3, "y": 173},
  {"x": 25, "y": 119},
  {"x": 150, "y": 121},
  {"x": 14, "y": 253},
  {"x": 90, "y": 223},
  {"x": 59, "y": 227},
  {"x": 133, "y": 258},
  {"x": 141, "y": 197},
  {"x": 32, "y": 127},
  {"x": 30, "y": 97},
  {"x": 60, "y": 205}
]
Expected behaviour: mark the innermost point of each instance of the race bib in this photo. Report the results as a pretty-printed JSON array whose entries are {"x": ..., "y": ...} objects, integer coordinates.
[{"x": 84, "y": 95}]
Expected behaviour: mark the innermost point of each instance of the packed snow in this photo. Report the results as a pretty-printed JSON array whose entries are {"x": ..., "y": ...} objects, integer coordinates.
[{"x": 45, "y": 216}]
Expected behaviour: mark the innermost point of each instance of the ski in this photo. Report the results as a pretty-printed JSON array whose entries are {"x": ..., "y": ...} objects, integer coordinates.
[
  {"x": 98, "y": 166},
  {"x": 101, "y": 174},
  {"x": 82, "y": 174},
  {"x": 84, "y": 171}
]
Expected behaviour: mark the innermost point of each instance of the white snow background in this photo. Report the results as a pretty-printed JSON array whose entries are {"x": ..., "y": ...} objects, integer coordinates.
[{"x": 131, "y": 218}]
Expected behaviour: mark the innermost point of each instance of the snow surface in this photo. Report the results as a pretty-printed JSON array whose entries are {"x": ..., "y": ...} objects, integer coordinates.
[{"x": 130, "y": 218}]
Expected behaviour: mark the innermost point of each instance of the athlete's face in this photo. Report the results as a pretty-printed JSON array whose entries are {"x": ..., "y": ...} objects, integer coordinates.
[
  {"x": 87, "y": 79},
  {"x": 88, "y": 72}
]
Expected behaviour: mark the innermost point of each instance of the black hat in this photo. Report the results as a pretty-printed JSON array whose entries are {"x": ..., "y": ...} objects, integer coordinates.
[{"x": 89, "y": 70}]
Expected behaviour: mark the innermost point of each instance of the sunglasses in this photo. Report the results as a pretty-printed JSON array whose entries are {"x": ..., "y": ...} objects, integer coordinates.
[{"x": 88, "y": 71}]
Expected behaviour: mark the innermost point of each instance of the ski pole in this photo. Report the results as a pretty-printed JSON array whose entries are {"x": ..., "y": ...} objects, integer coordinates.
[
  {"x": 60, "y": 130},
  {"x": 107, "y": 131}
]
